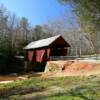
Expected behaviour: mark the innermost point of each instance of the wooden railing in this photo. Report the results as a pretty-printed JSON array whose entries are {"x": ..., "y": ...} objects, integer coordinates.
[
  {"x": 83, "y": 57},
  {"x": 63, "y": 58}
]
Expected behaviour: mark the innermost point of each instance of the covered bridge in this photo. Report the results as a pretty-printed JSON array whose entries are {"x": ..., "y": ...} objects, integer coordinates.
[{"x": 40, "y": 51}]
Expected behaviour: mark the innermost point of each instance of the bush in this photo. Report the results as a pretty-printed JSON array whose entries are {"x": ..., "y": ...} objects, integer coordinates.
[{"x": 11, "y": 65}]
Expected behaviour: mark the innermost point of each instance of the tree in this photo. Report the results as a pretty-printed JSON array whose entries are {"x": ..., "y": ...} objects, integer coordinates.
[
  {"x": 88, "y": 16},
  {"x": 8, "y": 29},
  {"x": 88, "y": 13},
  {"x": 40, "y": 32},
  {"x": 24, "y": 27}
]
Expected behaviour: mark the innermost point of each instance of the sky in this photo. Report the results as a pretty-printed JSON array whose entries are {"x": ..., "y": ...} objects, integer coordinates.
[{"x": 36, "y": 11}]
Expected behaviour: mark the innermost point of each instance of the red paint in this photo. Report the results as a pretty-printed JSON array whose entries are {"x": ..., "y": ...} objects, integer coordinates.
[
  {"x": 39, "y": 55},
  {"x": 48, "y": 54},
  {"x": 30, "y": 55}
]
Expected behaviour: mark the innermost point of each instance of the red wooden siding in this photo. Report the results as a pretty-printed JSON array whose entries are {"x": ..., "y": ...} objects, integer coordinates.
[
  {"x": 39, "y": 55},
  {"x": 30, "y": 55},
  {"x": 48, "y": 54}
]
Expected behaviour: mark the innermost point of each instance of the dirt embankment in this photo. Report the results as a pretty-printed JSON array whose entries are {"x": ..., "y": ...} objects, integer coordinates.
[
  {"x": 72, "y": 68},
  {"x": 59, "y": 68}
]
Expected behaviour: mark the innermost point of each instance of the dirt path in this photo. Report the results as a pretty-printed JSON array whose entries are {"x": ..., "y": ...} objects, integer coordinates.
[{"x": 11, "y": 78}]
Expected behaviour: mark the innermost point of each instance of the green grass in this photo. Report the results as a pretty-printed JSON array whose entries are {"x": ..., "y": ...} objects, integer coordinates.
[{"x": 63, "y": 88}]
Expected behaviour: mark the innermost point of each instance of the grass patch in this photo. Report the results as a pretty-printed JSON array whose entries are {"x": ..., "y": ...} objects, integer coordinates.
[{"x": 63, "y": 88}]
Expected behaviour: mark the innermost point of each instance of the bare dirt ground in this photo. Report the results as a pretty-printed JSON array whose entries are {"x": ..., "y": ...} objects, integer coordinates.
[
  {"x": 11, "y": 78},
  {"x": 73, "y": 68}
]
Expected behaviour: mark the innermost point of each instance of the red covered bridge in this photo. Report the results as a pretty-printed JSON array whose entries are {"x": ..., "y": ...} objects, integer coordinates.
[{"x": 41, "y": 50}]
